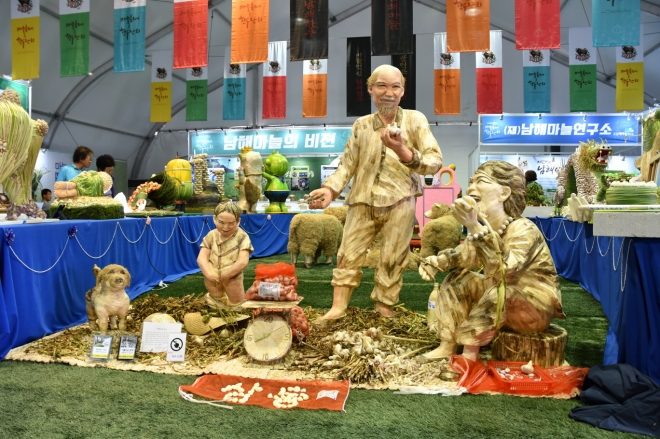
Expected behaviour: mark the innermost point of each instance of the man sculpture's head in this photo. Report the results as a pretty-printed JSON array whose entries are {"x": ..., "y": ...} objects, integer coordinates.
[{"x": 386, "y": 86}]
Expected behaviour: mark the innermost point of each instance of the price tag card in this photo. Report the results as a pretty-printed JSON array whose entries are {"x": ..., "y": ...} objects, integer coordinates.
[
  {"x": 101, "y": 346},
  {"x": 127, "y": 347},
  {"x": 176, "y": 350},
  {"x": 269, "y": 289},
  {"x": 155, "y": 336}
]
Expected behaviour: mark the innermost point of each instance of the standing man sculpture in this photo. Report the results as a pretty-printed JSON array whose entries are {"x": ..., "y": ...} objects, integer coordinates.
[{"x": 386, "y": 155}]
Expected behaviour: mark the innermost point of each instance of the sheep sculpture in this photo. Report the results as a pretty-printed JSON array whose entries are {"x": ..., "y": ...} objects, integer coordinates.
[
  {"x": 442, "y": 232},
  {"x": 311, "y": 235}
]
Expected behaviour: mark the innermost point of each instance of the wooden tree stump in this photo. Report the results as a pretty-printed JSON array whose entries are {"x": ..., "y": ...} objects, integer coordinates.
[{"x": 544, "y": 349}]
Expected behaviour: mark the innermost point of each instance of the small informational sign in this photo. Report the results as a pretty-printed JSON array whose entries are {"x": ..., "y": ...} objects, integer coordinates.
[
  {"x": 101, "y": 345},
  {"x": 332, "y": 394},
  {"x": 327, "y": 171},
  {"x": 300, "y": 177},
  {"x": 127, "y": 347},
  {"x": 176, "y": 347},
  {"x": 156, "y": 336},
  {"x": 269, "y": 289}
]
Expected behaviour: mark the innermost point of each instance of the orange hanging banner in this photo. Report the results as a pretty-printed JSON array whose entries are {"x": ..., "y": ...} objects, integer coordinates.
[
  {"x": 249, "y": 31},
  {"x": 315, "y": 88},
  {"x": 468, "y": 25}
]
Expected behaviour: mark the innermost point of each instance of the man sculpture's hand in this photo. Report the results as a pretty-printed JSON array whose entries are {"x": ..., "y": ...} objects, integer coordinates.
[
  {"x": 320, "y": 198},
  {"x": 430, "y": 266}
]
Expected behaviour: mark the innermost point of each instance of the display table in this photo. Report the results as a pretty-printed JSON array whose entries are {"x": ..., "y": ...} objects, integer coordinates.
[
  {"x": 623, "y": 274},
  {"x": 46, "y": 269}
]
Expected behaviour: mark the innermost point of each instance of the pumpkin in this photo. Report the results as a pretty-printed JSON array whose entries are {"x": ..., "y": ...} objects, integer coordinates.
[
  {"x": 276, "y": 164},
  {"x": 181, "y": 171}
]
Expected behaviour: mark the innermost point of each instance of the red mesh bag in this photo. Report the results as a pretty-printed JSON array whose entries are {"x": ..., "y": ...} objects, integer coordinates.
[
  {"x": 273, "y": 270},
  {"x": 279, "y": 273}
]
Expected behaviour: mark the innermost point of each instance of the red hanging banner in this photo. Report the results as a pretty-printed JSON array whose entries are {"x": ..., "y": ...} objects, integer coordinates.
[
  {"x": 274, "y": 95},
  {"x": 191, "y": 21},
  {"x": 537, "y": 24},
  {"x": 489, "y": 76}
]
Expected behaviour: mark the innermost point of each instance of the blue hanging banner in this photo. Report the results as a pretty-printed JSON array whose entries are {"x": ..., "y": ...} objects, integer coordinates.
[
  {"x": 130, "y": 25},
  {"x": 558, "y": 129},
  {"x": 233, "y": 89},
  {"x": 536, "y": 80},
  {"x": 616, "y": 22},
  {"x": 287, "y": 141}
]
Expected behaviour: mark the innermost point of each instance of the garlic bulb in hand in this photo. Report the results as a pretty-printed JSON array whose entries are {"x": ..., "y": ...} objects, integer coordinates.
[
  {"x": 394, "y": 130},
  {"x": 527, "y": 368}
]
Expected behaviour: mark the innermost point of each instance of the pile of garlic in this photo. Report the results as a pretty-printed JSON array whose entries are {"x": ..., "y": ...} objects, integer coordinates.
[
  {"x": 370, "y": 344},
  {"x": 288, "y": 397},
  {"x": 236, "y": 394}
]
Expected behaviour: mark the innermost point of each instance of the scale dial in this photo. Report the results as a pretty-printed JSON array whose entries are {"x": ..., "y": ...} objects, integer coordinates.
[{"x": 268, "y": 338}]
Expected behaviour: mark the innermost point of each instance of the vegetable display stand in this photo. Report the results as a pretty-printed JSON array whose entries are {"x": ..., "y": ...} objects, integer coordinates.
[{"x": 544, "y": 349}]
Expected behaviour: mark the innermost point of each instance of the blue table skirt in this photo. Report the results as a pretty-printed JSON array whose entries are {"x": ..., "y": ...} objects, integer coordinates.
[
  {"x": 46, "y": 269},
  {"x": 623, "y": 274}
]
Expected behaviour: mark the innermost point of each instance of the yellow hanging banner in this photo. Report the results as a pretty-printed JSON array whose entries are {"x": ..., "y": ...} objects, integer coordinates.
[
  {"x": 25, "y": 48},
  {"x": 630, "y": 86},
  {"x": 161, "y": 101}
]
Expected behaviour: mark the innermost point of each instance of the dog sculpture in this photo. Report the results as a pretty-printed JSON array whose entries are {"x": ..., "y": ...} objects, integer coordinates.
[{"x": 108, "y": 301}]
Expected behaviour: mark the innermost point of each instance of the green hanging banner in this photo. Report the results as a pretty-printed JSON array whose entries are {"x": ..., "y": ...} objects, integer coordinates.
[
  {"x": 196, "y": 93},
  {"x": 583, "y": 87},
  {"x": 74, "y": 38}
]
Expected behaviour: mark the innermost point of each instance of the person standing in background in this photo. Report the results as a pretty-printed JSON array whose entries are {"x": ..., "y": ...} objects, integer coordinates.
[
  {"x": 46, "y": 196},
  {"x": 82, "y": 160},
  {"x": 105, "y": 163}
]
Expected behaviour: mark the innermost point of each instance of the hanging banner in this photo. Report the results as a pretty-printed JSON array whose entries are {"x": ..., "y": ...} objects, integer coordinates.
[
  {"x": 233, "y": 95},
  {"x": 74, "y": 37},
  {"x": 391, "y": 27},
  {"x": 130, "y": 34},
  {"x": 536, "y": 80},
  {"x": 616, "y": 22},
  {"x": 161, "y": 86},
  {"x": 558, "y": 129},
  {"x": 249, "y": 31},
  {"x": 582, "y": 59},
  {"x": 468, "y": 25},
  {"x": 537, "y": 24},
  {"x": 630, "y": 78},
  {"x": 196, "y": 93},
  {"x": 308, "y": 141},
  {"x": 25, "y": 39},
  {"x": 191, "y": 22},
  {"x": 274, "y": 72},
  {"x": 489, "y": 76},
  {"x": 406, "y": 63},
  {"x": 447, "y": 77},
  {"x": 315, "y": 88},
  {"x": 358, "y": 70},
  {"x": 309, "y": 29}
]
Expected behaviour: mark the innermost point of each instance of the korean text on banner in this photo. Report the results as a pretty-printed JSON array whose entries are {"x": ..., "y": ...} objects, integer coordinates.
[
  {"x": 392, "y": 27},
  {"x": 489, "y": 76},
  {"x": 616, "y": 23},
  {"x": 274, "y": 86},
  {"x": 249, "y": 31},
  {"x": 130, "y": 35},
  {"x": 196, "y": 93},
  {"x": 315, "y": 88},
  {"x": 468, "y": 25},
  {"x": 536, "y": 80},
  {"x": 537, "y": 24},
  {"x": 406, "y": 64},
  {"x": 233, "y": 91},
  {"x": 191, "y": 21},
  {"x": 630, "y": 78},
  {"x": 309, "y": 29},
  {"x": 358, "y": 70},
  {"x": 582, "y": 58},
  {"x": 25, "y": 39},
  {"x": 447, "y": 77},
  {"x": 161, "y": 86},
  {"x": 74, "y": 38}
]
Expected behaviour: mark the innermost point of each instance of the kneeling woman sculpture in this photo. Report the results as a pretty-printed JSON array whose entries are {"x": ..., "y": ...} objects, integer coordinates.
[{"x": 519, "y": 287}]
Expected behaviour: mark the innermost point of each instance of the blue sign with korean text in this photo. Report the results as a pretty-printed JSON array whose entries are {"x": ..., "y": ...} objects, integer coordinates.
[
  {"x": 558, "y": 129},
  {"x": 286, "y": 141}
]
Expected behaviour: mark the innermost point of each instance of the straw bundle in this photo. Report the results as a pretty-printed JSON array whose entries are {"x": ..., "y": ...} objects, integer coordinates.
[
  {"x": 15, "y": 136},
  {"x": 19, "y": 185}
]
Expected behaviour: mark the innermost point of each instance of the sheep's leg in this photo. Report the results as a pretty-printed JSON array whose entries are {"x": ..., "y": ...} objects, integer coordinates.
[
  {"x": 328, "y": 260},
  {"x": 308, "y": 261},
  {"x": 294, "y": 259}
]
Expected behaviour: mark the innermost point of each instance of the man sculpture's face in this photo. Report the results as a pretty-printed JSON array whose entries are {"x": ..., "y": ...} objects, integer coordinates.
[{"x": 387, "y": 91}]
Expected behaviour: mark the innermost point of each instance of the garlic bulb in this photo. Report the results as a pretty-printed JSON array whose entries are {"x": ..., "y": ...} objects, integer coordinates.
[
  {"x": 394, "y": 130},
  {"x": 527, "y": 368}
]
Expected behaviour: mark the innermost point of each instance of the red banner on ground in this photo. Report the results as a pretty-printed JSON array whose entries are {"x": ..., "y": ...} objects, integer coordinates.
[
  {"x": 190, "y": 33},
  {"x": 537, "y": 24}
]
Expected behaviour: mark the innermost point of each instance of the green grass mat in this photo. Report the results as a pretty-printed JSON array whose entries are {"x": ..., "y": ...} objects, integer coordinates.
[{"x": 58, "y": 401}]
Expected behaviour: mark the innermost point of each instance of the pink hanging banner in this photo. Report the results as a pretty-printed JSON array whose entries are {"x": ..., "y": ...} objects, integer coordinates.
[
  {"x": 191, "y": 19},
  {"x": 537, "y": 24}
]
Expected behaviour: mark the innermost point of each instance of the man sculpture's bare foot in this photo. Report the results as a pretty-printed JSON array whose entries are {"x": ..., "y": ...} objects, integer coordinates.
[
  {"x": 444, "y": 351},
  {"x": 383, "y": 309}
]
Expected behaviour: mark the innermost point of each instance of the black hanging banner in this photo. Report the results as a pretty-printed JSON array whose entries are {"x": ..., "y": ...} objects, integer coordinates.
[
  {"x": 406, "y": 63},
  {"x": 358, "y": 69},
  {"x": 309, "y": 29},
  {"x": 391, "y": 27}
]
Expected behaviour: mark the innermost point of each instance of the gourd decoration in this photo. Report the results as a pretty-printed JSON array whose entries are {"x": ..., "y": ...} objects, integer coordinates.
[
  {"x": 181, "y": 171},
  {"x": 89, "y": 184},
  {"x": 277, "y": 191},
  {"x": 167, "y": 193},
  {"x": 140, "y": 193}
]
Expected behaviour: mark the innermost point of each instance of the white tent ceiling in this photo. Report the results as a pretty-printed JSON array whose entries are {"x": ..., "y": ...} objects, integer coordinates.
[{"x": 110, "y": 112}]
